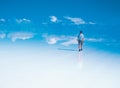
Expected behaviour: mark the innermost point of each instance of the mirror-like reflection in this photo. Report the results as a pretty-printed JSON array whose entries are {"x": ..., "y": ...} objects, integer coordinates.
[{"x": 80, "y": 60}]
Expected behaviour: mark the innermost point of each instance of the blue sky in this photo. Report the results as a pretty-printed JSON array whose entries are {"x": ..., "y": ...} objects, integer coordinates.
[{"x": 59, "y": 22}]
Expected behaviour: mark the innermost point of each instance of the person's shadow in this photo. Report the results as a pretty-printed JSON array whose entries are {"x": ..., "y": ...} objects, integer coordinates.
[{"x": 66, "y": 49}]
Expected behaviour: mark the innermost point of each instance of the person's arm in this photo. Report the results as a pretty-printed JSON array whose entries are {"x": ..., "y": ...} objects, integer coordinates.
[{"x": 83, "y": 38}]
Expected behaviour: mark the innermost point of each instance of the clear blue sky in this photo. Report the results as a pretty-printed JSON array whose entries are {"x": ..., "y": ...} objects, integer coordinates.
[{"x": 58, "y": 22}]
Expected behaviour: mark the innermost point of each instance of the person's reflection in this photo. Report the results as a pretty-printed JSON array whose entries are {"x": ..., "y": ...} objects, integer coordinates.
[{"x": 80, "y": 60}]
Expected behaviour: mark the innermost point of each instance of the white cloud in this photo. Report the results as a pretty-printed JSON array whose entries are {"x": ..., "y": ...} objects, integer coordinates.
[
  {"x": 2, "y": 35},
  {"x": 92, "y": 23},
  {"x": 94, "y": 39},
  {"x": 70, "y": 42},
  {"x": 20, "y": 35},
  {"x": 76, "y": 21},
  {"x": 67, "y": 40},
  {"x": 53, "y": 19},
  {"x": 23, "y": 20},
  {"x": 51, "y": 39},
  {"x": 73, "y": 40},
  {"x": 2, "y": 20}
]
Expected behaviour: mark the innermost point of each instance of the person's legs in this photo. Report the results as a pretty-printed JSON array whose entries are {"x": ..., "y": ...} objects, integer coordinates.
[{"x": 79, "y": 45}]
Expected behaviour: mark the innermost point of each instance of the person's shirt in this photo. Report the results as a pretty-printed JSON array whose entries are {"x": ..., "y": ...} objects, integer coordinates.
[{"x": 80, "y": 36}]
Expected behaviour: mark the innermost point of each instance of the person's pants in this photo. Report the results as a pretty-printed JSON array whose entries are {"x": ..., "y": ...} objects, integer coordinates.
[{"x": 80, "y": 42}]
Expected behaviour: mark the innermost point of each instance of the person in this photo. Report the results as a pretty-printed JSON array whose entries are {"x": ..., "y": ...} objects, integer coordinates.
[{"x": 80, "y": 39}]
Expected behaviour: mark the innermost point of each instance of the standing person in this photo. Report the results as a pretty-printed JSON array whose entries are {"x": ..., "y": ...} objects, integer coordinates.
[{"x": 80, "y": 41}]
